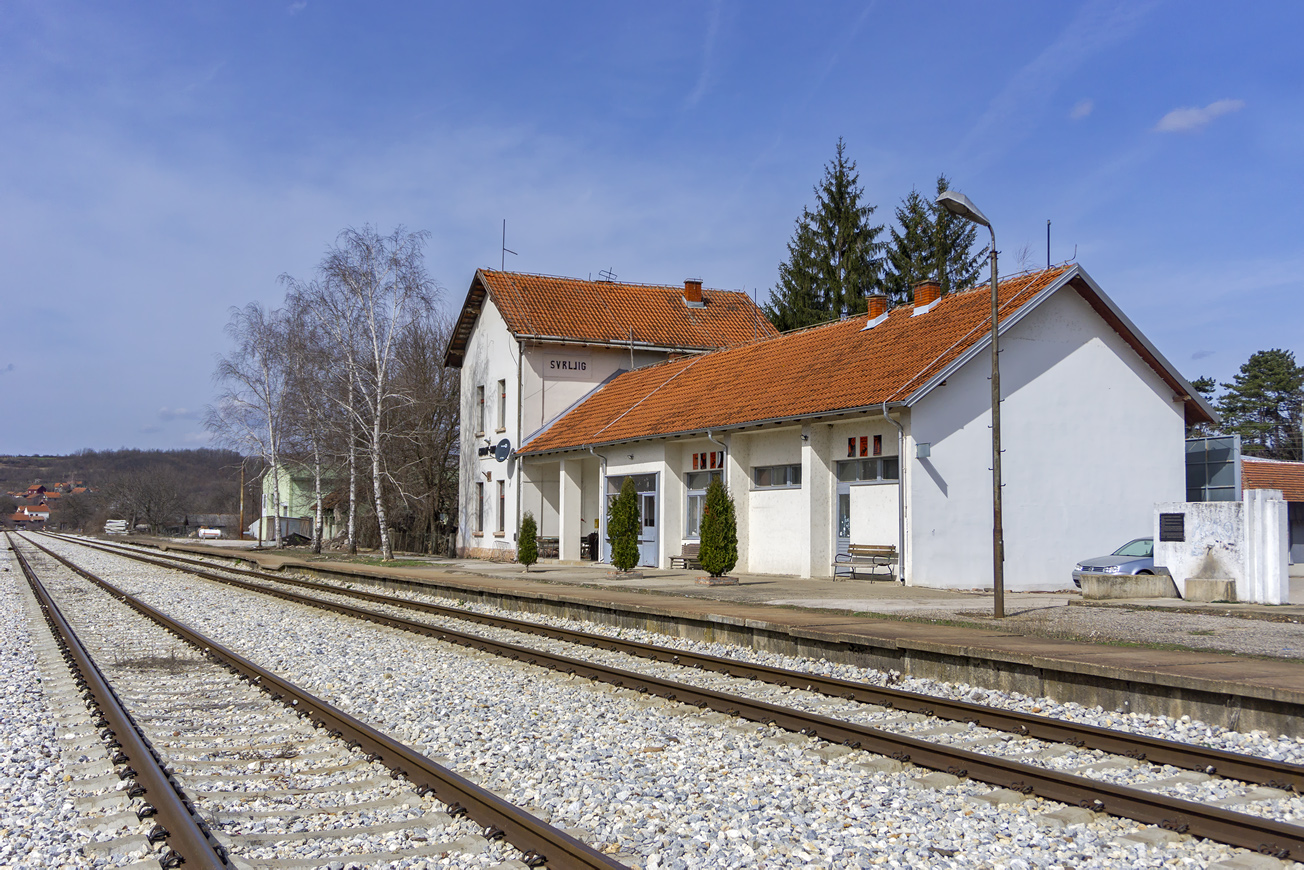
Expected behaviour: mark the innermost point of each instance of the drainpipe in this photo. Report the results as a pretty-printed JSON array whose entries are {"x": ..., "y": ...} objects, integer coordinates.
[
  {"x": 519, "y": 470},
  {"x": 901, "y": 495},
  {"x": 725, "y": 471},
  {"x": 602, "y": 508}
]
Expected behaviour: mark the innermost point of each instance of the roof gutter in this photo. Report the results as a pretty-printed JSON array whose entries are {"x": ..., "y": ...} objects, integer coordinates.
[
  {"x": 602, "y": 342},
  {"x": 725, "y": 450},
  {"x": 902, "y": 462}
]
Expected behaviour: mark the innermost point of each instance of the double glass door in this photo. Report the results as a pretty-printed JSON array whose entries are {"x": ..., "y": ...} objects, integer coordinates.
[{"x": 645, "y": 486}]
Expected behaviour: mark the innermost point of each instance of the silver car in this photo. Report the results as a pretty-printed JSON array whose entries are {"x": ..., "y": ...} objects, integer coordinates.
[{"x": 1134, "y": 557}]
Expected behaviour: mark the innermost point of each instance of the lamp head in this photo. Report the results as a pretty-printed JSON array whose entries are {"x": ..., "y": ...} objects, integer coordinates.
[{"x": 960, "y": 205}]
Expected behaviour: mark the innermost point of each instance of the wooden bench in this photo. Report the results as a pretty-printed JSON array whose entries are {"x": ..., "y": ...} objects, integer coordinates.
[
  {"x": 687, "y": 557},
  {"x": 548, "y": 547},
  {"x": 866, "y": 558}
]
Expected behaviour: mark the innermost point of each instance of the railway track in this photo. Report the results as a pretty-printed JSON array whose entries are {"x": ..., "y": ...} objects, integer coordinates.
[
  {"x": 230, "y": 765},
  {"x": 1240, "y": 829}
]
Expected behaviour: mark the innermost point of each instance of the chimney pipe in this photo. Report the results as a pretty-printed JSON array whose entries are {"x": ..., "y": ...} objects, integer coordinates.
[
  {"x": 877, "y": 304},
  {"x": 693, "y": 292},
  {"x": 927, "y": 292}
]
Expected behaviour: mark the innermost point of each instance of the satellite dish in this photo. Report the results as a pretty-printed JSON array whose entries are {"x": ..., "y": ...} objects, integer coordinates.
[{"x": 503, "y": 450}]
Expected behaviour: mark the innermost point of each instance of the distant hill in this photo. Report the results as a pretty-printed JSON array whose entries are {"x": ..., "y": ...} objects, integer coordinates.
[{"x": 208, "y": 479}]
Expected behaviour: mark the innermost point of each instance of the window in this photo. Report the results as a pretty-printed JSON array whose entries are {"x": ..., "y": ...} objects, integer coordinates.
[
  {"x": 502, "y": 405},
  {"x": 773, "y": 476},
  {"x": 869, "y": 470},
  {"x": 697, "y": 482},
  {"x": 479, "y": 508},
  {"x": 479, "y": 410},
  {"x": 502, "y": 507}
]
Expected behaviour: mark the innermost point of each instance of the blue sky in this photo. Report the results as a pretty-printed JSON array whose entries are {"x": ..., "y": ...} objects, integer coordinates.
[{"x": 163, "y": 162}]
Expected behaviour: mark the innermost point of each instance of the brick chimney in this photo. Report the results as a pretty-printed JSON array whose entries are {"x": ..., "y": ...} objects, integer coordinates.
[
  {"x": 693, "y": 292},
  {"x": 927, "y": 292},
  {"x": 877, "y": 305}
]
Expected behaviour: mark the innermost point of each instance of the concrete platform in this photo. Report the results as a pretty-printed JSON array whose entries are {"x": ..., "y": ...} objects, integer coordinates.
[{"x": 923, "y": 632}]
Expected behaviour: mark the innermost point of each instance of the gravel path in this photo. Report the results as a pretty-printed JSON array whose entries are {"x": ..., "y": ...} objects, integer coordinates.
[{"x": 659, "y": 784}]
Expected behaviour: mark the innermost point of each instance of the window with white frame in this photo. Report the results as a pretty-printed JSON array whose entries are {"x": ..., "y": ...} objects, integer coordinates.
[
  {"x": 697, "y": 482},
  {"x": 479, "y": 507},
  {"x": 502, "y": 405},
  {"x": 883, "y": 469},
  {"x": 502, "y": 507},
  {"x": 479, "y": 410},
  {"x": 776, "y": 476}
]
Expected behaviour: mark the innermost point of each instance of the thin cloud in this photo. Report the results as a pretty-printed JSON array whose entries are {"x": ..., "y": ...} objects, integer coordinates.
[
  {"x": 1202, "y": 354},
  {"x": 298, "y": 6},
  {"x": 7, "y": 369},
  {"x": 168, "y": 414},
  {"x": 708, "y": 49},
  {"x": 199, "y": 438},
  {"x": 151, "y": 430},
  {"x": 1191, "y": 119},
  {"x": 1082, "y": 109}
]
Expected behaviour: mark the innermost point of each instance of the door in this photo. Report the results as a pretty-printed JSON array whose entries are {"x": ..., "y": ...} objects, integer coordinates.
[
  {"x": 844, "y": 517},
  {"x": 645, "y": 488}
]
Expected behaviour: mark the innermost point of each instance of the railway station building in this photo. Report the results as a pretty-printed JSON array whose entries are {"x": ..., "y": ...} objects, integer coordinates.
[{"x": 872, "y": 430}]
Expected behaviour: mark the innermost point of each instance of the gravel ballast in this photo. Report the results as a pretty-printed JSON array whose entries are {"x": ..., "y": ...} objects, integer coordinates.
[{"x": 660, "y": 784}]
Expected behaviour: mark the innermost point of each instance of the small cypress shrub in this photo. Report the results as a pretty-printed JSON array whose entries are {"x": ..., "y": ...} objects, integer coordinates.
[
  {"x": 719, "y": 547},
  {"x": 527, "y": 541},
  {"x": 623, "y": 527}
]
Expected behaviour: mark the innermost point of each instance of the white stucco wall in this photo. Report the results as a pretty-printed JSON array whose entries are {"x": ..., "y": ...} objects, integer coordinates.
[
  {"x": 1092, "y": 439},
  {"x": 490, "y": 356},
  {"x": 874, "y": 513},
  {"x": 779, "y": 519}
]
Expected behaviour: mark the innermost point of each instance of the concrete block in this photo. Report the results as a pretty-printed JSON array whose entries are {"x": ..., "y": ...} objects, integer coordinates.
[
  {"x": 1108, "y": 586},
  {"x": 1210, "y": 590},
  {"x": 936, "y": 780},
  {"x": 1003, "y": 797},
  {"x": 1066, "y": 818},
  {"x": 1153, "y": 837},
  {"x": 880, "y": 765}
]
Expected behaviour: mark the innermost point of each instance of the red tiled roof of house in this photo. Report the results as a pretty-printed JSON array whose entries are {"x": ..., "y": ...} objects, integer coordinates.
[
  {"x": 1273, "y": 474},
  {"x": 825, "y": 369},
  {"x": 605, "y": 312}
]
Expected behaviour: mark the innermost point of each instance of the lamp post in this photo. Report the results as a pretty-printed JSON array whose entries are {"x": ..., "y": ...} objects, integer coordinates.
[{"x": 960, "y": 205}]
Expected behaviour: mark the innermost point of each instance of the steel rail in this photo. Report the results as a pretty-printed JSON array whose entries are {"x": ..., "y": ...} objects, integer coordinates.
[
  {"x": 1237, "y": 829},
  {"x": 542, "y": 843},
  {"x": 186, "y": 841},
  {"x": 1230, "y": 765}
]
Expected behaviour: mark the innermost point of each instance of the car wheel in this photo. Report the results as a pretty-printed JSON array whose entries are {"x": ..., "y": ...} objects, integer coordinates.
[{"x": 1139, "y": 573}]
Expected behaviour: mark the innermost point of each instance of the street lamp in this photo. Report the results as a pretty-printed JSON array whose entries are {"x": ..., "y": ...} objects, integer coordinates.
[{"x": 960, "y": 205}]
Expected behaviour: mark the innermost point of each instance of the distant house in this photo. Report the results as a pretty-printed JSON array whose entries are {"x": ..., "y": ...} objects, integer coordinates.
[
  {"x": 35, "y": 513},
  {"x": 298, "y": 508}
]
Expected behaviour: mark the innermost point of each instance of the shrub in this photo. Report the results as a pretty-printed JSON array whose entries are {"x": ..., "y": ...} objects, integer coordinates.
[
  {"x": 623, "y": 527},
  {"x": 527, "y": 541},
  {"x": 719, "y": 547}
]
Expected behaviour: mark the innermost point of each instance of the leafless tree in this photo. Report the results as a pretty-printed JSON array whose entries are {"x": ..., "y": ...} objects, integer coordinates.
[
  {"x": 250, "y": 409},
  {"x": 380, "y": 287},
  {"x": 310, "y": 416},
  {"x": 154, "y": 496},
  {"x": 424, "y": 451}
]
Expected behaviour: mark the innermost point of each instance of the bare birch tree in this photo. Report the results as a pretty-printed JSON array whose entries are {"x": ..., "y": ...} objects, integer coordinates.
[
  {"x": 310, "y": 414},
  {"x": 249, "y": 412}
]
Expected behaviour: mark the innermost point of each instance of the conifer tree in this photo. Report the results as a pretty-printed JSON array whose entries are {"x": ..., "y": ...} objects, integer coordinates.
[
  {"x": 930, "y": 244},
  {"x": 1262, "y": 404},
  {"x": 527, "y": 542},
  {"x": 623, "y": 526},
  {"x": 718, "y": 552},
  {"x": 834, "y": 256}
]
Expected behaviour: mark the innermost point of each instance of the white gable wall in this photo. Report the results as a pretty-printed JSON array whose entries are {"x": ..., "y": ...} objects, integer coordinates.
[{"x": 1092, "y": 439}]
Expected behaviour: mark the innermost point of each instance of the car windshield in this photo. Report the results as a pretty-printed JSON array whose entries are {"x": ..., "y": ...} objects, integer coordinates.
[{"x": 1140, "y": 547}]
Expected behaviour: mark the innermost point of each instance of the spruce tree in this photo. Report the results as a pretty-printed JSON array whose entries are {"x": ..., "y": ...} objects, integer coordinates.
[
  {"x": 930, "y": 244},
  {"x": 834, "y": 256},
  {"x": 1263, "y": 405},
  {"x": 718, "y": 551},
  {"x": 623, "y": 526},
  {"x": 527, "y": 542}
]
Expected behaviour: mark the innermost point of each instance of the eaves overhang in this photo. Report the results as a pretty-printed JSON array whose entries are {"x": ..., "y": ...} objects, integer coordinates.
[{"x": 876, "y": 408}]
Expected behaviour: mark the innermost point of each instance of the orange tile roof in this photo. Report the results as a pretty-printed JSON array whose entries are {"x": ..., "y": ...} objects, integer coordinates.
[
  {"x": 825, "y": 369},
  {"x": 1273, "y": 474},
  {"x": 604, "y": 312}
]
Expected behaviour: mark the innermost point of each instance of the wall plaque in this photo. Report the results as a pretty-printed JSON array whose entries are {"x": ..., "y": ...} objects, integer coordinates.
[{"x": 1172, "y": 527}]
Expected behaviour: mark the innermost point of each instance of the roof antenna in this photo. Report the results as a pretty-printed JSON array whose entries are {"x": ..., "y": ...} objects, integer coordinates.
[
  {"x": 506, "y": 250},
  {"x": 607, "y": 275},
  {"x": 1048, "y": 243}
]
